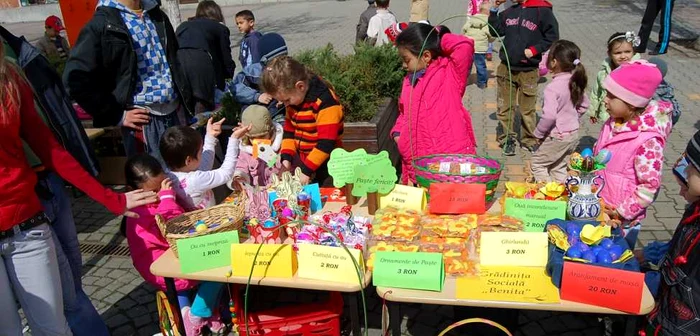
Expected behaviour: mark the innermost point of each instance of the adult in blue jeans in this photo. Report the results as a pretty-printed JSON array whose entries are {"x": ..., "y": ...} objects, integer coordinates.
[{"x": 56, "y": 110}]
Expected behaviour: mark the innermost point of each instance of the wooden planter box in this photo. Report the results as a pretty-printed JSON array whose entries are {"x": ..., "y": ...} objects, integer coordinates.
[{"x": 375, "y": 136}]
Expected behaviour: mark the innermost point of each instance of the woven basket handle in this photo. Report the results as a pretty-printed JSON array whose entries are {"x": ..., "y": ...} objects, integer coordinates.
[{"x": 161, "y": 224}]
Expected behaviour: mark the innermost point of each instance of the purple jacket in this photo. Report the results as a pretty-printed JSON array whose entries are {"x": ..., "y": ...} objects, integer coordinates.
[
  {"x": 559, "y": 115},
  {"x": 256, "y": 172}
]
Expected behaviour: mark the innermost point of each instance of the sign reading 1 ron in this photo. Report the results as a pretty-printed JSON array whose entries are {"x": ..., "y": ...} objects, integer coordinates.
[
  {"x": 410, "y": 270},
  {"x": 206, "y": 252}
]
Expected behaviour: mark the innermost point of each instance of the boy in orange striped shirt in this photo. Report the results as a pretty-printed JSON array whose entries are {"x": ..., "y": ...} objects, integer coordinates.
[{"x": 313, "y": 125}]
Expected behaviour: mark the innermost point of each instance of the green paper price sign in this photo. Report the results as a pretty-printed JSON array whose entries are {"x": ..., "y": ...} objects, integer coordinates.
[
  {"x": 341, "y": 165},
  {"x": 535, "y": 213},
  {"x": 410, "y": 270},
  {"x": 377, "y": 175},
  {"x": 206, "y": 252}
]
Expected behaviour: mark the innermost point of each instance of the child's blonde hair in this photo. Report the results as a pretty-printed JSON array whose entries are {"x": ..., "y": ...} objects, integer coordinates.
[{"x": 283, "y": 73}]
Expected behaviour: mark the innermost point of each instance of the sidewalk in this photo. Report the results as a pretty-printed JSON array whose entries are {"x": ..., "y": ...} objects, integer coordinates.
[{"x": 127, "y": 304}]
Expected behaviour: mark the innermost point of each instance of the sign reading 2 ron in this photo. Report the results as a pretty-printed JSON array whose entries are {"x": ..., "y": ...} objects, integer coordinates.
[
  {"x": 535, "y": 213},
  {"x": 206, "y": 252}
]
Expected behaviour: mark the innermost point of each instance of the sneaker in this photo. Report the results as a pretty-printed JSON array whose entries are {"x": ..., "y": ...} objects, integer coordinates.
[
  {"x": 216, "y": 327},
  {"x": 193, "y": 324},
  {"x": 508, "y": 148}
]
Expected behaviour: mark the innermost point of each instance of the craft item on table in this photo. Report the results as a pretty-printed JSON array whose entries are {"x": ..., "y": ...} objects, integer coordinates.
[
  {"x": 551, "y": 191},
  {"x": 498, "y": 223},
  {"x": 262, "y": 149},
  {"x": 287, "y": 218},
  {"x": 350, "y": 230},
  {"x": 376, "y": 176},
  {"x": 586, "y": 162},
  {"x": 287, "y": 186},
  {"x": 268, "y": 232},
  {"x": 304, "y": 203},
  {"x": 461, "y": 226},
  {"x": 592, "y": 246},
  {"x": 380, "y": 246},
  {"x": 458, "y": 262},
  {"x": 584, "y": 202},
  {"x": 435, "y": 225},
  {"x": 387, "y": 220},
  {"x": 457, "y": 168},
  {"x": 257, "y": 206}
]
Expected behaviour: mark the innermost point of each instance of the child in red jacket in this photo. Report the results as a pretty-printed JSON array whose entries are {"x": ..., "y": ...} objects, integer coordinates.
[{"x": 147, "y": 244}]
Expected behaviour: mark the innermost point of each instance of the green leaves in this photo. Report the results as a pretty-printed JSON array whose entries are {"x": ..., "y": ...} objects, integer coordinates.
[{"x": 361, "y": 80}]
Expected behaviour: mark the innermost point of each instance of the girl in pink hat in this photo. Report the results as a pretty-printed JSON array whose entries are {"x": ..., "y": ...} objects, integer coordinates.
[{"x": 635, "y": 134}]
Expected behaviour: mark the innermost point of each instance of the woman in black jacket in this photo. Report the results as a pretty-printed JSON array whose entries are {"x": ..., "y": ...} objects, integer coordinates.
[{"x": 205, "y": 55}]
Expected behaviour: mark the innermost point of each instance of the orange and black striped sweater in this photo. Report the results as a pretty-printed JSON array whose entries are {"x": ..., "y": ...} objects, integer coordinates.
[{"x": 314, "y": 128}]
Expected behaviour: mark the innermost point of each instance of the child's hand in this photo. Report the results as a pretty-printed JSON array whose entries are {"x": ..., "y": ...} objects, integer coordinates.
[
  {"x": 167, "y": 184},
  {"x": 528, "y": 53},
  {"x": 304, "y": 179},
  {"x": 286, "y": 165},
  {"x": 594, "y": 120},
  {"x": 214, "y": 128},
  {"x": 241, "y": 130},
  {"x": 396, "y": 139},
  {"x": 265, "y": 98},
  {"x": 499, "y": 2}
]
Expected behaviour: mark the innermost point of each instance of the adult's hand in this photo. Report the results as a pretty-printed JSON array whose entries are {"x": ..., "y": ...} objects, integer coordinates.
[
  {"x": 135, "y": 118},
  {"x": 499, "y": 2},
  {"x": 138, "y": 198}
]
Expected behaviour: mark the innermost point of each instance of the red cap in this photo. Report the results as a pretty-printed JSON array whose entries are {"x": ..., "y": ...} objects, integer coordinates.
[{"x": 54, "y": 22}]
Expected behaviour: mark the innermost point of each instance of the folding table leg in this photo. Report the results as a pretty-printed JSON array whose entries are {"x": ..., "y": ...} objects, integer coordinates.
[
  {"x": 171, "y": 293},
  {"x": 354, "y": 313},
  {"x": 395, "y": 318}
]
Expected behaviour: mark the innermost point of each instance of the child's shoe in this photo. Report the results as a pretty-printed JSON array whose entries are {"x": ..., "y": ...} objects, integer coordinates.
[
  {"x": 215, "y": 325},
  {"x": 193, "y": 324}
]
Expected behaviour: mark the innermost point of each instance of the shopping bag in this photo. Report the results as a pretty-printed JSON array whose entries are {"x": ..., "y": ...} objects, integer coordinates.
[{"x": 457, "y": 198}]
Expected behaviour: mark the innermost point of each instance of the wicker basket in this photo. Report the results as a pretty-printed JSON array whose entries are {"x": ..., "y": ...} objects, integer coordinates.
[
  {"x": 491, "y": 171},
  {"x": 229, "y": 217}
]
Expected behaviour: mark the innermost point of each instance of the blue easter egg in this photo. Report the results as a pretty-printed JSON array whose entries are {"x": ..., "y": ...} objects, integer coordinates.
[
  {"x": 573, "y": 252},
  {"x": 615, "y": 251},
  {"x": 597, "y": 249},
  {"x": 583, "y": 247},
  {"x": 571, "y": 227},
  {"x": 603, "y": 156},
  {"x": 586, "y": 152},
  {"x": 604, "y": 258},
  {"x": 573, "y": 240},
  {"x": 606, "y": 243},
  {"x": 589, "y": 255}
]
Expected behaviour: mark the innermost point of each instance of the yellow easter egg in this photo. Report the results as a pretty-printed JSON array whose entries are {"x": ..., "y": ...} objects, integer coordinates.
[{"x": 201, "y": 228}]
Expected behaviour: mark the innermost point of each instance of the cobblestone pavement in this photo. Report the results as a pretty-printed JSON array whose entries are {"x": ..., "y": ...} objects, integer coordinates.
[{"x": 127, "y": 304}]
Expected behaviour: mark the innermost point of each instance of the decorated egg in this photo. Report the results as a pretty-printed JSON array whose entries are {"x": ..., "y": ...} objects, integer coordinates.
[
  {"x": 606, "y": 243},
  {"x": 575, "y": 161},
  {"x": 583, "y": 247},
  {"x": 615, "y": 251},
  {"x": 586, "y": 152},
  {"x": 201, "y": 227},
  {"x": 597, "y": 249},
  {"x": 588, "y": 164},
  {"x": 571, "y": 227},
  {"x": 573, "y": 252},
  {"x": 603, "y": 156},
  {"x": 589, "y": 256},
  {"x": 604, "y": 257}
]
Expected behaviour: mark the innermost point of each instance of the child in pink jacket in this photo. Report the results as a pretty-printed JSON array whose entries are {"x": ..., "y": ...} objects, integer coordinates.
[
  {"x": 432, "y": 119},
  {"x": 635, "y": 134},
  {"x": 147, "y": 244}
]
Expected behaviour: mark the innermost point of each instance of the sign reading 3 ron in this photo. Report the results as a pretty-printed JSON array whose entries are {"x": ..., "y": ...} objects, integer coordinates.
[
  {"x": 411, "y": 270},
  {"x": 514, "y": 248}
]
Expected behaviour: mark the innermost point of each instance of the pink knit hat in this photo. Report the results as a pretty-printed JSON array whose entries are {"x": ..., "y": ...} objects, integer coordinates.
[{"x": 634, "y": 82}]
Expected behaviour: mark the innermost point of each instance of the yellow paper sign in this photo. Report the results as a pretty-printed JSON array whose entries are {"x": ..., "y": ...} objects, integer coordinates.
[
  {"x": 273, "y": 260},
  {"x": 329, "y": 263},
  {"x": 404, "y": 197},
  {"x": 514, "y": 248},
  {"x": 509, "y": 283}
]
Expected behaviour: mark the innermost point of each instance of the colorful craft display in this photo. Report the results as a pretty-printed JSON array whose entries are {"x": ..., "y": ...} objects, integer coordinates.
[
  {"x": 588, "y": 244},
  {"x": 586, "y": 162},
  {"x": 351, "y": 231},
  {"x": 551, "y": 191}
]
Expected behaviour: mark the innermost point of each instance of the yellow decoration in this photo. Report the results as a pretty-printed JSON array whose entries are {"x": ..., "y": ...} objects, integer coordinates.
[
  {"x": 558, "y": 237},
  {"x": 627, "y": 255},
  {"x": 201, "y": 228},
  {"x": 592, "y": 235},
  {"x": 553, "y": 189}
]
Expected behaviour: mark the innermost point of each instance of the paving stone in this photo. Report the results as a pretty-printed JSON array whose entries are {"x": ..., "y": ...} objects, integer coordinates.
[
  {"x": 662, "y": 235},
  {"x": 113, "y": 298},
  {"x": 116, "y": 321},
  {"x": 126, "y": 330},
  {"x": 137, "y": 311},
  {"x": 532, "y": 329},
  {"x": 553, "y": 325}
]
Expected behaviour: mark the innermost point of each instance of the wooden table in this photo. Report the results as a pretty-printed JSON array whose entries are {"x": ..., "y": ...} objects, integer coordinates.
[
  {"x": 94, "y": 133},
  {"x": 168, "y": 266}
]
